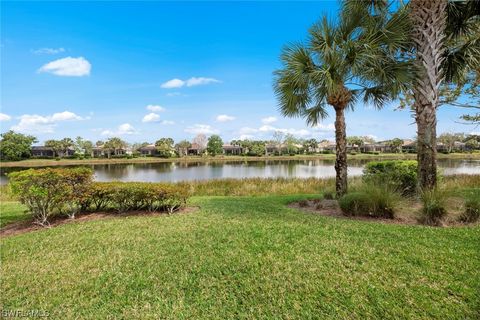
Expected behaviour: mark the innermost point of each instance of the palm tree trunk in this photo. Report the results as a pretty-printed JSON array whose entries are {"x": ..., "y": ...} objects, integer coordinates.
[
  {"x": 429, "y": 19},
  {"x": 341, "y": 152}
]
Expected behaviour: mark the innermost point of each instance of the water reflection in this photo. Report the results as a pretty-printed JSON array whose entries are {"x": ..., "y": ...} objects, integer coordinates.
[{"x": 182, "y": 171}]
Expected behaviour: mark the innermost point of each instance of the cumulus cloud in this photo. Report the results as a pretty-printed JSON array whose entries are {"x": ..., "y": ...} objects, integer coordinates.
[
  {"x": 246, "y": 137},
  {"x": 34, "y": 123},
  {"x": 49, "y": 50},
  {"x": 155, "y": 108},
  {"x": 324, "y": 127},
  {"x": 247, "y": 130},
  {"x": 295, "y": 132},
  {"x": 269, "y": 120},
  {"x": 123, "y": 129},
  {"x": 151, "y": 117},
  {"x": 194, "y": 81},
  {"x": 68, "y": 67},
  {"x": 224, "y": 118},
  {"x": 4, "y": 117},
  {"x": 201, "y": 129}
]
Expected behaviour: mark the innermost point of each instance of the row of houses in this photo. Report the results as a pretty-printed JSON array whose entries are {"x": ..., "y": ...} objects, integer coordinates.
[{"x": 408, "y": 146}]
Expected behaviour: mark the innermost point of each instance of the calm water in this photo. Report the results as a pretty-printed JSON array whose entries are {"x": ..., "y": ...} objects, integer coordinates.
[{"x": 181, "y": 171}]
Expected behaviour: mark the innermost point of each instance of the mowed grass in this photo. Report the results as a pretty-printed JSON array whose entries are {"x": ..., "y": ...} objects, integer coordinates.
[
  {"x": 11, "y": 212},
  {"x": 243, "y": 258}
]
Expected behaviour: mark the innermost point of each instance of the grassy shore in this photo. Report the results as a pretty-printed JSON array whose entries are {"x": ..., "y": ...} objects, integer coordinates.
[
  {"x": 243, "y": 257},
  {"x": 360, "y": 156}
]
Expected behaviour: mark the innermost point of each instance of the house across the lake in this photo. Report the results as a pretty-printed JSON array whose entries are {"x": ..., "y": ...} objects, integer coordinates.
[
  {"x": 149, "y": 150},
  {"x": 48, "y": 152},
  {"x": 231, "y": 149}
]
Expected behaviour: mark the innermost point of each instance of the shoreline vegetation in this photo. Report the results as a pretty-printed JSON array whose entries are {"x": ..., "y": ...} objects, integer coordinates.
[{"x": 93, "y": 161}]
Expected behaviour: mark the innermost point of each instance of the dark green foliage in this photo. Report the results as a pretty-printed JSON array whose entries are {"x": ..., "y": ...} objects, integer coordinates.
[
  {"x": 472, "y": 207},
  {"x": 399, "y": 175},
  {"x": 15, "y": 146},
  {"x": 370, "y": 201},
  {"x": 214, "y": 145}
]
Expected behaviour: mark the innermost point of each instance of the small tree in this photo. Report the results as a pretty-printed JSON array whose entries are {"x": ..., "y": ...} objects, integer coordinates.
[
  {"x": 214, "y": 145},
  {"x": 15, "y": 146},
  {"x": 201, "y": 141},
  {"x": 182, "y": 147},
  {"x": 290, "y": 143},
  {"x": 396, "y": 145},
  {"x": 310, "y": 145},
  {"x": 165, "y": 147}
]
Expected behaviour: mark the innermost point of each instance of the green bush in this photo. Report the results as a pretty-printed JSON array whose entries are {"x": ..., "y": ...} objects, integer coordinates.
[
  {"x": 125, "y": 196},
  {"x": 472, "y": 207},
  {"x": 49, "y": 191},
  {"x": 400, "y": 175},
  {"x": 370, "y": 200},
  {"x": 434, "y": 206}
]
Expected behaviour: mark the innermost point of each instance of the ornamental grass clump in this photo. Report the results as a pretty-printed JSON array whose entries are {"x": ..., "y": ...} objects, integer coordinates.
[
  {"x": 370, "y": 200},
  {"x": 434, "y": 206},
  {"x": 471, "y": 211}
]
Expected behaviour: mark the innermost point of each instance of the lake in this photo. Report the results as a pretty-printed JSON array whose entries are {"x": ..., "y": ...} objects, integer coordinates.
[{"x": 184, "y": 171}]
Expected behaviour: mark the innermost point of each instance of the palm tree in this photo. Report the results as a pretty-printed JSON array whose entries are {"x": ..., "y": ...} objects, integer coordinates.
[
  {"x": 355, "y": 57},
  {"x": 447, "y": 45}
]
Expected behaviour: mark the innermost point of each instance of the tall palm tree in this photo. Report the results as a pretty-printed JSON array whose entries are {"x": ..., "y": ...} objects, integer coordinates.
[
  {"x": 342, "y": 61},
  {"x": 446, "y": 37}
]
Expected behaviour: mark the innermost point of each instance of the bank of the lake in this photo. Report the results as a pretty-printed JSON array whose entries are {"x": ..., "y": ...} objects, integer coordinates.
[{"x": 93, "y": 161}]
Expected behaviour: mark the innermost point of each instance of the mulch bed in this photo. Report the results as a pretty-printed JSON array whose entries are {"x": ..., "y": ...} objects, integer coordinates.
[
  {"x": 330, "y": 208},
  {"x": 25, "y": 226}
]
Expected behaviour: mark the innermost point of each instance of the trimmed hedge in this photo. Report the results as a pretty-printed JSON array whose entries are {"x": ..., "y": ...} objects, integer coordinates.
[
  {"x": 52, "y": 191},
  {"x": 400, "y": 175}
]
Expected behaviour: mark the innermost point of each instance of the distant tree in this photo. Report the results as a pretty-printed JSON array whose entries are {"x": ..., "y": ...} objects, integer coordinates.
[
  {"x": 99, "y": 143},
  {"x": 396, "y": 145},
  {"x": 60, "y": 147},
  {"x": 472, "y": 144},
  {"x": 355, "y": 142},
  {"x": 165, "y": 147},
  {"x": 310, "y": 145},
  {"x": 214, "y": 145},
  {"x": 114, "y": 144},
  {"x": 257, "y": 148},
  {"x": 15, "y": 146},
  {"x": 277, "y": 140},
  {"x": 182, "y": 147},
  {"x": 449, "y": 139},
  {"x": 201, "y": 141},
  {"x": 290, "y": 143},
  {"x": 83, "y": 147}
]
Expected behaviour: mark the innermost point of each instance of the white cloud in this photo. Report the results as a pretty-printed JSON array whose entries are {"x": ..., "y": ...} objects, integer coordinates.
[
  {"x": 295, "y": 132},
  {"x": 4, "y": 117},
  {"x": 246, "y": 137},
  {"x": 34, "y": 123},
  {"x": 155, "y": 108},
  {"x": 123, "y": 129},
  {"x": 168, "y": 122},
  {"x": 49, "y": 50},
  {"x": 269, "y": 120},
  {"x": 194, "y": 81},
  {"x": 65, "y": 116},
  {"x": 224, "y": 118},
  {"x": 201, "y": 128},
  {"x": 151, "y": 117},
  {"x": 200, "y": 81},
  {"x": 69, "y": 67},
  {"x": 323, "y": 127},
  {"x": 174, "y": 83}
]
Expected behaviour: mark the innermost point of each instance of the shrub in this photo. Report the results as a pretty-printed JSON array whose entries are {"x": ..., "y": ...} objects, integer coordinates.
[
  {"x": 399, "y": 175},
  {"x": 49, "y": 191},
  {"x": 472, "y": 207},
  {"x": 433, "y": 210},
  {"x": 124, "y": 196},
  {"x": 370, "y": 200}
]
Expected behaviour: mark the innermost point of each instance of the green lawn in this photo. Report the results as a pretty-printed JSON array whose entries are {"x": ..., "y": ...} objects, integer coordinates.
[
  {"x": 243, "y": 257},
  {"x": 11, "y": 211}
]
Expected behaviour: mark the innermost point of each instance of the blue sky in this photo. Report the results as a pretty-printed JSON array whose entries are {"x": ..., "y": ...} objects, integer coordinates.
[{"x": 147, "y": 70}]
